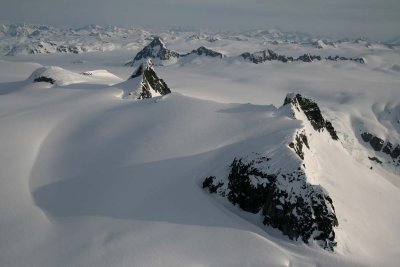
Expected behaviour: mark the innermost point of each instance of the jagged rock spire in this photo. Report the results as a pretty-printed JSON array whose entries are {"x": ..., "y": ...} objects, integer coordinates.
[{"x": 144, "y": 83}]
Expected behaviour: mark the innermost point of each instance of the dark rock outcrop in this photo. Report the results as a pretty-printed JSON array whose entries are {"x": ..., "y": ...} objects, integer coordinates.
[
  {"x": 385, "y": 147},
  {"x": 44, "y": 79},
  {"x": 366, "y": 136},
  {"x": 308, "y": 58},
  {"x": 338, "y": 58},
  {"x": 297, "y": 145},
  {"x": 155, "y": 49},
  {"x": 376, "y": 143},
  {"x": 312, "y": 112},
  {"x": 375, "y": 159},
  {"x": 266, "y": 55},
  {"x": 204, "y": 51},
  {"x": 396, "y": 152},
  {"x": 269, "y": 55},
  {"x": 144, "y": 81},
  {"x": 209, "y": 183},
  {"x": 286, "y": 201}
]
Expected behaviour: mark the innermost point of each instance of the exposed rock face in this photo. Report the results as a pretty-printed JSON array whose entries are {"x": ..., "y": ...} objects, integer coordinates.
[
  {"x": 44, "y": 79},
  {"x": 338, "y": 58},
  {"x": 262, "y": 56},
  {"x": 385, "y": 147},
  {"x": 204, "y": 51},
  {"x": 297, "y": 145},
  {"x": 276, "y": 186},
  {"x": 144, "y": 83},
  {"x": 155, "y": 49},
  {"x": 312, "y": 112},
  {"x": 269, "y": 55},
  {"x": 286, "y": 200},
  {"x": 308, "y": 58}
]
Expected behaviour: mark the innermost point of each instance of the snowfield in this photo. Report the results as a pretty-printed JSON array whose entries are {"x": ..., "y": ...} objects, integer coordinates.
[{"x": 90, "y": 179}]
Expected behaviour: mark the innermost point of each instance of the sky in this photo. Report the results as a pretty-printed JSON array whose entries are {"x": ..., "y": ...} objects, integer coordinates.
[{"x": 373, "y": 19}]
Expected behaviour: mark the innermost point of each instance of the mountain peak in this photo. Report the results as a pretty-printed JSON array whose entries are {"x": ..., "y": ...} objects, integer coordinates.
[
  {"x": 144, "y": 83},
  {"x": 156, "y": 49},
  {"x": 204, "y": 51}
]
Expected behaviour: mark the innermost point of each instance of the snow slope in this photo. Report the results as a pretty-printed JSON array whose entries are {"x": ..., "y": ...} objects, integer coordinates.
[{"x": 90, "y": 179}]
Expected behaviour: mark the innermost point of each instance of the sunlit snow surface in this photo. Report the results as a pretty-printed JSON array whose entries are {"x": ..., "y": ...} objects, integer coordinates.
[{"x": 90, "y": 179}]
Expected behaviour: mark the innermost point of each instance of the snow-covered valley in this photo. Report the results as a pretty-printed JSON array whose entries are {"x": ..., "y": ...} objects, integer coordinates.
[{"x": 89, "y": 177}]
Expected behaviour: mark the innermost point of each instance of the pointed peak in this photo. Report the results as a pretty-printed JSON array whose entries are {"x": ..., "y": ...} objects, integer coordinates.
[
  {"x": 144, "y": 83},
  {"x": 156, "y": 49}
]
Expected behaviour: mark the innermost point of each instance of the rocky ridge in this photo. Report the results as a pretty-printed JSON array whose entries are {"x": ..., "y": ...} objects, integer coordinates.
[
  {"x": 269, "y": 55},
  {"x": 283, "y": 196},
  {"x": 159, "y": 53}
]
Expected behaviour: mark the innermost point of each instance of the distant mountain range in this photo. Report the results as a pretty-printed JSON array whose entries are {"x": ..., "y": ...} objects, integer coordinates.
[
  {"x": 161, "y": 55},
  {"x": 20, "y": 39}
]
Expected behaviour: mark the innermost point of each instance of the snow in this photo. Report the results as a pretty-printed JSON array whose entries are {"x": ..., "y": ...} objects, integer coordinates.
[{"x": 90, "y": 179}]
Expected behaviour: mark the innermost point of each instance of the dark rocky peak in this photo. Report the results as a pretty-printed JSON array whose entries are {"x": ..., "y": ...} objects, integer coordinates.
[
  {"x": 312, "y": 112},
  {"x": 204, "y": 51},
  {"x": 44, "y": 79},
  {"x": 156, "y": 49},
  {"x": 145, "y": 83},
  {"x": 284, "y": 199}
]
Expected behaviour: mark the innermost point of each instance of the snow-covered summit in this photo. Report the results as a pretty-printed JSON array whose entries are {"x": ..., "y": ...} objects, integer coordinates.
[{"x": 57, "y": 76}]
